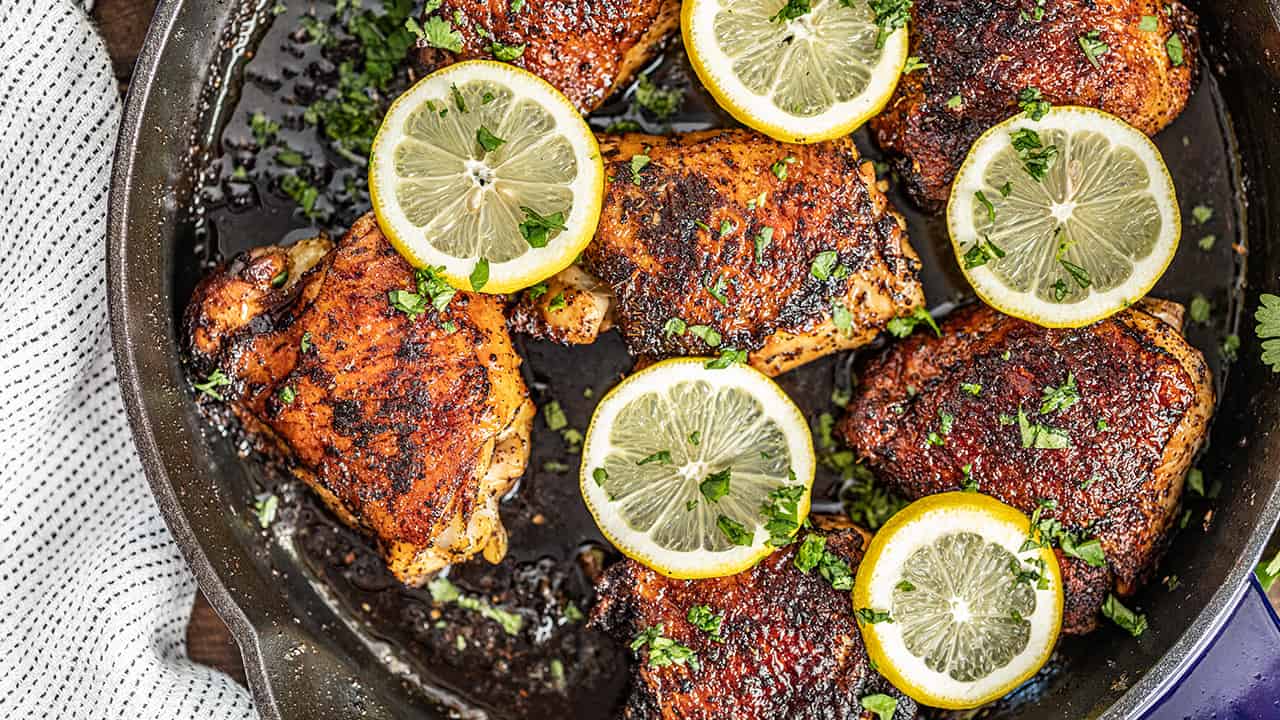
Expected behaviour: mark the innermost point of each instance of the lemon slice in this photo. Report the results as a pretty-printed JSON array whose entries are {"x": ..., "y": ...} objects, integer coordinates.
[
  {"x": 970, "y": 615},
  {"x": 796, "y": 75},
  {"x": 486, "y": 171},
  {"x": 1065, "y": 220},
  {"x": 697, "y": 472}
]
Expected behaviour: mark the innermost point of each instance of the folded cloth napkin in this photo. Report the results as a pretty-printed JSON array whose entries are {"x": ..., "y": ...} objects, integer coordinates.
[{"x": 94, "y": 594}]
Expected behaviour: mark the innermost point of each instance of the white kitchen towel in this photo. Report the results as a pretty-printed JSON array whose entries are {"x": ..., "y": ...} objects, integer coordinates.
[{"x": 94, "y": 594}]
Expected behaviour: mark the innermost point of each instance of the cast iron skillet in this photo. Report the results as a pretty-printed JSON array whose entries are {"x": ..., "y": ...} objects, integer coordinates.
[{"x": 308, "y": 655}]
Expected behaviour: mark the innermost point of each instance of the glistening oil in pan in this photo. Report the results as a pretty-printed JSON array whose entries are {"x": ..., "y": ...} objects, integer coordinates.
[{"x": 282, "y": 158}]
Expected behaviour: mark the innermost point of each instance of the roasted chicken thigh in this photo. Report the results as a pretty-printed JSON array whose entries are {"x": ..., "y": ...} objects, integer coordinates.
[
  {"x": 787, "y": 646},
  {"x": 586, "y": 49},
  {"x": 1133, "y": 58},
  {"x": 726, "y": 239},
  {"x": 1094, "y": 426},
  {"x": 410, "y": 426}
]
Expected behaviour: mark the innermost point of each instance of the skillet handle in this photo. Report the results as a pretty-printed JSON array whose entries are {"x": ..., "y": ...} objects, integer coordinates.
[{"x": 1238, "y": 676}]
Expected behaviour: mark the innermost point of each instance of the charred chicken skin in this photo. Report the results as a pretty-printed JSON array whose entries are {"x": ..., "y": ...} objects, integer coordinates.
[
  {"x": 979, "y": 56},
  {"x": 728, "y": 239},
  {"x": 788, "y": 647},
  {"x": 409, "y": 427},
  {"x": 1096, "y": 426},
  {"x": 586, "y": 49}
]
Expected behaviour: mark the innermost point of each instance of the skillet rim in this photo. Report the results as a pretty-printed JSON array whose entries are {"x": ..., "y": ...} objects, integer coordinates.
[{"x": 127, "y": 336}]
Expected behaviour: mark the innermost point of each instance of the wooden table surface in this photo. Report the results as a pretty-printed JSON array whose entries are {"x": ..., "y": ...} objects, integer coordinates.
[{"x": 123, "y": 24}]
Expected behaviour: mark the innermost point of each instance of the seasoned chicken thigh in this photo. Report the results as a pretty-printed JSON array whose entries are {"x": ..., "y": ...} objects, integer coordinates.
[
  {"x": 1133, "y": 58},
  {"x": 787, "y": 647},
  {"x": 726, "y": 239},
  {"x": 409, "y": 426},
  {"x": 586, "y": 49},
  {"x": 1096, "y": 426}
]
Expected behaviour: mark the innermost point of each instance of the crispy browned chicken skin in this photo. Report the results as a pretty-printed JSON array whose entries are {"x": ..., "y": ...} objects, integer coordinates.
[
  {"x": 587, "y": 49},
  {"x": 790, "y": 648},
  {"x": 985, "y": 53},
  {"x": 406, "y": 429},
  {"x": 1144, "y": 400},
  {"x": 736, "y": 214}
]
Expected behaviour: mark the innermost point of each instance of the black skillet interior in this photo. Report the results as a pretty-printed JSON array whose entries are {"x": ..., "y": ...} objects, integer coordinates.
[{"x": 326, "y": 632}]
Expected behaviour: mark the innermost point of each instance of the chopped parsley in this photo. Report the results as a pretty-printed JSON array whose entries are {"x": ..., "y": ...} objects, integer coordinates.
[
  {"x": 792, "y": 10},
  {"x": 1056, "y": 399},
  {"x": 973, "y": 389},
  {"x": 779, "y": 168},
  {"x": 304, "y": 345},
  {"x": 480, "y": 274},
  {"x": 436, "y": 32},
  {"x": 813, "y": 554},
  {"x": 914, "y": 63},
  {"x": 716, "y": 485},
  {"x": 1230, "y": 347},
  {"x": 536, "y": 229},
  {"x": 706, "y": 620},
  {"x": 781, "y": 511},
  {"x": 638, "y": 163},
  {"x": 1036, "y": 14},
  {"x": 1200, "y": 309},
  {"x": 841, "y": 317},
  {"x": 303, "y": 193},
  {"x": 890, "y": 16},
  {"x": 1035, "y": 156},
  {"x": 1267, "y": 572},
  {"x": 695, "y": 438},
  {"x": 982, "y": 252},
  {"x": 884, "y": 706},
  {"x": 600, "y": 475},
  {"x": 734, "y": 531},
  {"x": 727, "y": 227},
  {"x": 1041, "y": 437},
  {"x": 823, "y": 264},
  {"x": 1093, "y": 47},
  {"x": 488, "y": 140},
  {"x": 662, "y": 457},
  {"x": 443, "y": 591},
  {"x": 871, "y": 616},
  {"x": 728, "y": 356},
  {"x": 955, "y": 102},
  {"x": 663, "y": 102},
  {"x": 264, "y": 129},
  {"x": 967, "y": 482},
  {"x": 557, "y": 302},
  {"x": 1201, "y": 214},
  {"x": 432, "y": 291},
  {"x": 212, "y": 382},
  {"x": 981, "y": 197},
  {"x": 1113, "y": 610},
  {"x": 287, "y": 394},
  {"x": 674, "y": 326},
  {"x": 537, "y": 291},
  {"x": 554, "y": 416},
  {"x": 264, "y": 507},
  {"x": 1207, "y": 242},
  {"x": 663, "y": 651},
  {"x": 504, "y": 52},
  {"x": 1031, "y": 102},
  {"x": 1173, "y": 48},
  {"x": 761, "y": 241},
  {"x": 706, "y": 334},
  {"x": 718, "y": 288},
  {"x": 1149, "y": 23},
  {"x": 901, "y": 327}
]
